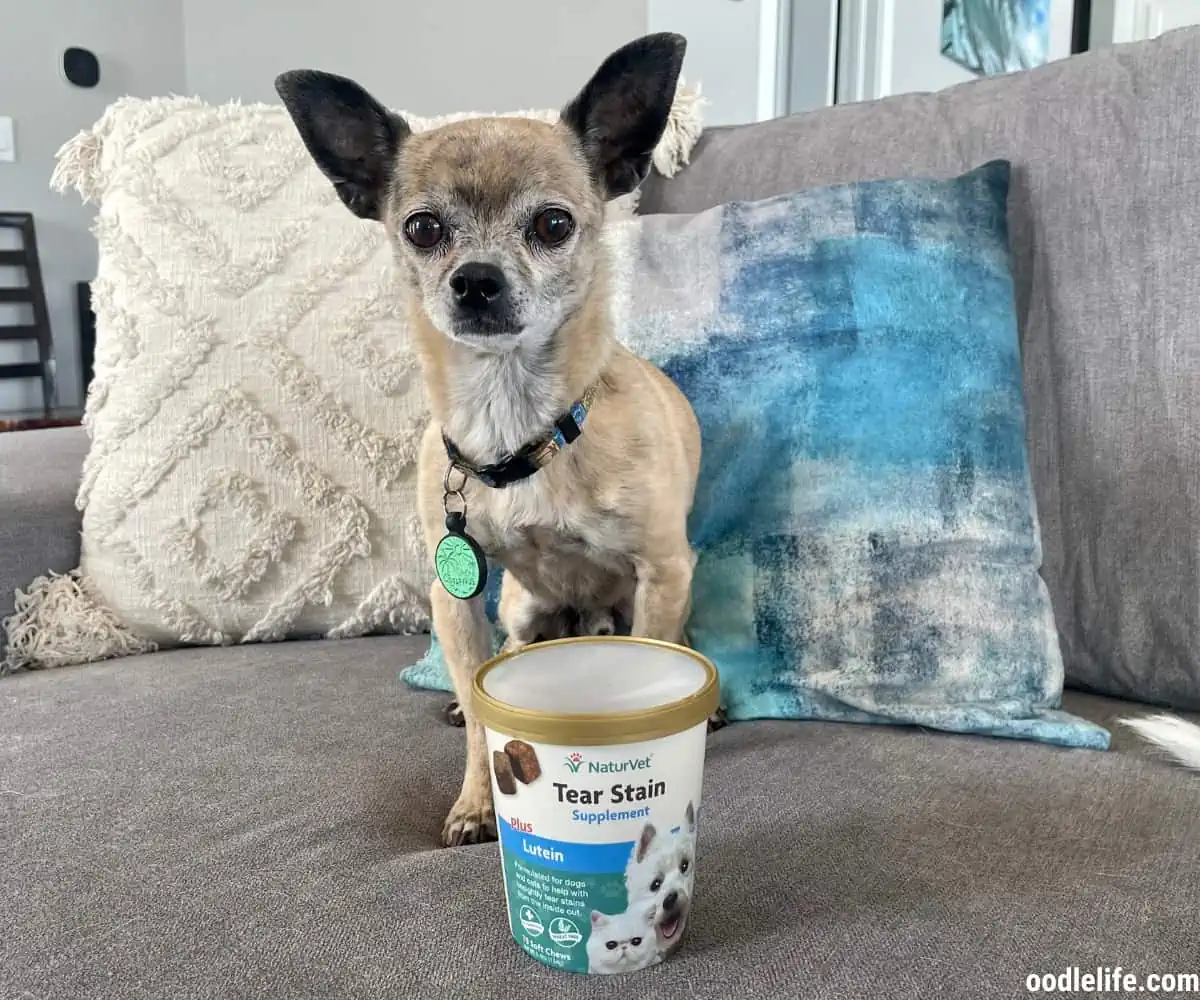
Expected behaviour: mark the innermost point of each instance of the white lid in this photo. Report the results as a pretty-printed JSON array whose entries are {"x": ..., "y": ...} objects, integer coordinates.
[
  {"x": 596, "y": 690},
  {"x": 594, "y": 678}
]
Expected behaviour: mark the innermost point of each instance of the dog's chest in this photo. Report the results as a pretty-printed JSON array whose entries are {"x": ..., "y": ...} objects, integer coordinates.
[
  {"x": 564, "y": 550},
  {"x": 492, "y": 409}
]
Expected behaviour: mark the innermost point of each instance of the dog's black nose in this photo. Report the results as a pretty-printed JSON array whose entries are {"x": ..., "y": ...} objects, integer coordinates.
[
  {"x": 478, "y": 286},
  {"x": 670, "y": 901}
]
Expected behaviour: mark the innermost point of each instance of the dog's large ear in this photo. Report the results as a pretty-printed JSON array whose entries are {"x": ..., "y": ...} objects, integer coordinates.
[
  {"x": 622, "y": 112},
  {"x": 644, "y": 842},
  {"x": 353, "y": 137}
]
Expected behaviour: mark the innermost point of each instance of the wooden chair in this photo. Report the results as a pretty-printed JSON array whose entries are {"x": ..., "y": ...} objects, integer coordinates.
[{"x": 33, "y": 294}]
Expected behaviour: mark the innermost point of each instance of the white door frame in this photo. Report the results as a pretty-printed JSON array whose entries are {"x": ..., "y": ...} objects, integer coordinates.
[
  {"x": 1116, "y": 21},
  {"x": 864, "y": 65},
  {"x": 808, "y": 54}
]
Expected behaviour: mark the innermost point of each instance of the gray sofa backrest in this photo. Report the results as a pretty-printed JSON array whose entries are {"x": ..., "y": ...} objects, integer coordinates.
[{"x": 1105, "y": 226}]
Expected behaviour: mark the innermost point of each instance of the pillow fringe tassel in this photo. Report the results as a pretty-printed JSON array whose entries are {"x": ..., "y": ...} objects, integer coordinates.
[
  {"x": 78, "y": 165},
  {"x": 60, "y": 621},
  {"x": 686, "y": 122}
]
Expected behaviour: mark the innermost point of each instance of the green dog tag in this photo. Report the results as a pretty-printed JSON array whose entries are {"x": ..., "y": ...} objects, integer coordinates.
[{"x": 459, "y": 561}]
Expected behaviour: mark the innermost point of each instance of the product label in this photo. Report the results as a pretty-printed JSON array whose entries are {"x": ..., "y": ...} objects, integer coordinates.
[{"x": 599, "y": 847}]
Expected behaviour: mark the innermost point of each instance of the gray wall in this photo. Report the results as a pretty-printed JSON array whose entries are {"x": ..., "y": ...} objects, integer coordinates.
[
  {"x": 140, "y": 47},
  {"x": 427, "y": 56},
  {"x": 732, "y": 52}
]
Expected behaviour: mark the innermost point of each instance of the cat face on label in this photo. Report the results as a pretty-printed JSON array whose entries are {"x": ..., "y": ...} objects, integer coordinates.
[{"x": 622, "y": 943}]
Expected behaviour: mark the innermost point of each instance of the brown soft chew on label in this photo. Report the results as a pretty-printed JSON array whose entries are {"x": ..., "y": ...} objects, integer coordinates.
[
  {"x": 525, "y": 766},
  {"x": 504, "y": 773}
]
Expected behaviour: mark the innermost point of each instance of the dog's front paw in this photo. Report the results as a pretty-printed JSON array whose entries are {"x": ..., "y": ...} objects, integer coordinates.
[
  {"x": 718, "y": 720},
  {"x": 514, "y": 643},
  {"x": 472, "y": 820},
  {"x": 453, "y": 714}
]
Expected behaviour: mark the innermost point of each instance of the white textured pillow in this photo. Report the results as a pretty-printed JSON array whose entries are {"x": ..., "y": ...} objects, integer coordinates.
[{"x": 256, "y": 407}]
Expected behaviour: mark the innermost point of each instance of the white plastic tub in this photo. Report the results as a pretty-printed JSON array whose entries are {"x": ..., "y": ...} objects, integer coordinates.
[{"x": 597, "y": 748}]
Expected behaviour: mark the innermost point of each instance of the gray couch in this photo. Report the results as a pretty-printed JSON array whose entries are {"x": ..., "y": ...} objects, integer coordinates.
[{"x": 262, "y": 821}]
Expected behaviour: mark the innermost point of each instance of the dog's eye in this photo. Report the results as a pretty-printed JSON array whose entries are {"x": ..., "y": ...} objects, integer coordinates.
[
  {"x": 684, "y": 865},
  {"x": 610, "y": 945},
  {"x": 656, "y": 885},
  {"x": 636, "y": 942},
  {"x": 424, "y": 230},
  {"x": 553, "y": 226}
]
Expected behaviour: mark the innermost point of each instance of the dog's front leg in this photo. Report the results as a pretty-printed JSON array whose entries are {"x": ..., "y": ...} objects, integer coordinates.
[
  {"x": 662, "y": 596},
  {"x": 528, "y": 619},
  {"x": 462, "y": 628},
  {"x": 662, "y": 602}
]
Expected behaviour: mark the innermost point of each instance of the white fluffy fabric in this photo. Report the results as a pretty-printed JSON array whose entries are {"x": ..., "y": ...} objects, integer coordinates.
[
  {"x": 1178, "y": 738},
  {"x": 256, "y": 408}
]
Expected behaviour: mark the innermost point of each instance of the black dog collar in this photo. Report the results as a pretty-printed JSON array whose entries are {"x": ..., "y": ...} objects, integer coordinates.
[{"x": 524, "y": 463}]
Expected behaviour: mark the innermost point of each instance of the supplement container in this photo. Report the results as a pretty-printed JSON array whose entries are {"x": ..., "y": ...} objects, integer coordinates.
[{"x": 596, "y": 747}]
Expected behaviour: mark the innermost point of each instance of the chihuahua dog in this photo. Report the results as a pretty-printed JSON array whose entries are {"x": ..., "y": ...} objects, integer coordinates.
[{"x": 555, "y": 451}]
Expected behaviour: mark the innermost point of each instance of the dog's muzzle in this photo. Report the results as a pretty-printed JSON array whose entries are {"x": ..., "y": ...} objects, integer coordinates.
[
  {"x": 672, "y": 920},
  {"x": 482, "y": 303}
]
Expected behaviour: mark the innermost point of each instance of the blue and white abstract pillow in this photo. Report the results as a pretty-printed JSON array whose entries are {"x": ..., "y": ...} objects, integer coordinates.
[{"x": 865, "y": 521}]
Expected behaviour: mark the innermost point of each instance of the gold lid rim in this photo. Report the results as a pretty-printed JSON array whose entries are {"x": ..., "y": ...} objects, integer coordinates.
[{"x": 597, "y": 729}]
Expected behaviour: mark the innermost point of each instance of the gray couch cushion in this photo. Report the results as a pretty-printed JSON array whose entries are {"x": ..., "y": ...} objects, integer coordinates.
[
  {"x": 261, "y": 822},
  {"x": 1106, "y": 237}
]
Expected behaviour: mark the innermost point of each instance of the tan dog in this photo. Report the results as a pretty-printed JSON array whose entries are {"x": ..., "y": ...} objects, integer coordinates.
[{"x": 573, "y": 460}]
